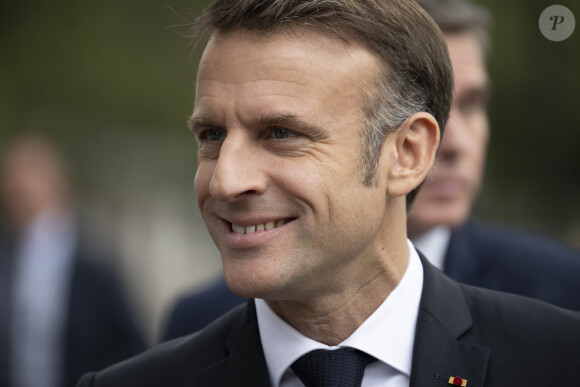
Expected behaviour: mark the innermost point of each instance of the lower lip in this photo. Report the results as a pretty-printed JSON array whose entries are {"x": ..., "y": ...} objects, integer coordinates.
[{"x": 245, "y": 241}]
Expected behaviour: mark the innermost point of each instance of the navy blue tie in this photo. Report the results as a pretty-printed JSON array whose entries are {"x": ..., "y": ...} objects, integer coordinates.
[{"x": 343, "y": 367}]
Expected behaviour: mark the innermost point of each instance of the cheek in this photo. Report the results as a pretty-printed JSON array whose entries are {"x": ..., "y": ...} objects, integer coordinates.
[
  {"x": 202, "y": 181},
  {"x": 480, "y": 130},
  {"x": 482, "y": 142},
  {"x": 479, "y": 137}
]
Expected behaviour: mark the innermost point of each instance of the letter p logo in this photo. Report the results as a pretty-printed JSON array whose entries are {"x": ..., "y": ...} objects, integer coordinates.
[
  {"x": 557, "y": 23},
  {"x": 557, "y": 20}
]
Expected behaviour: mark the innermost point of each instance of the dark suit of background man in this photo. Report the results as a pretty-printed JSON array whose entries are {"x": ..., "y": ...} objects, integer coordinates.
[
  {"x": 468, "y": 251},
  {"x": 63, "y": 312},
  {"x": 316, "y": 123}
]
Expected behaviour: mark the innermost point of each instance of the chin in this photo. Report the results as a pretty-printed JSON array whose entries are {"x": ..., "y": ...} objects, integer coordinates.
[
  {"x": 423, "y": 219},
  {"x": 451, "y": 218},
  {"x": 250, "y": 282}
]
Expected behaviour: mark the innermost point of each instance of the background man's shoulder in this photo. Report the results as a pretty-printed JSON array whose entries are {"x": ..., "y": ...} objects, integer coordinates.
[
  {"x": 515, "y": 261},
  {"x": 523, "y": 325},
  {"x": 510, "y": 240}
]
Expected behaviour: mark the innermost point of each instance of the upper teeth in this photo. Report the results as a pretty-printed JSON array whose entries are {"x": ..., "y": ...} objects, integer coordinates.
[{"x": 257, "y": 227}]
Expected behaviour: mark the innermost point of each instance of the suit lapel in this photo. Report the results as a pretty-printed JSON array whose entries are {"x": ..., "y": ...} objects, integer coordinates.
[
  {"x": 443, "y": 318},
  {"x": 244, "y": 364}
]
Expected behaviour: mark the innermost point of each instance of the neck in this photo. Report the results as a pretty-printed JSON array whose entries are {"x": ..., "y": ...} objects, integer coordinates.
[{"x": 332, "y": 317}]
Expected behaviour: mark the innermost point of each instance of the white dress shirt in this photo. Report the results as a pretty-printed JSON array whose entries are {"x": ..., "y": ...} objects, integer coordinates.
[
  {"x": 433, "y": 244},
  {"x": 388, "y": 335},
  {"x": 41, "y": 284}
]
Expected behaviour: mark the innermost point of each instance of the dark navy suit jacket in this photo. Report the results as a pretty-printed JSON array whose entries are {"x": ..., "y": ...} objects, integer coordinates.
[
  {"x": 478, "y": 254},
  {"x": 517, "y": 262},
  {"x": 100, "y": 330},
  {"x": 490, "y": 338}
]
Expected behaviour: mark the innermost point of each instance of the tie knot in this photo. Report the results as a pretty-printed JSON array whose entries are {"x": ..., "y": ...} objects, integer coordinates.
[{"x": 343, "y": 367}]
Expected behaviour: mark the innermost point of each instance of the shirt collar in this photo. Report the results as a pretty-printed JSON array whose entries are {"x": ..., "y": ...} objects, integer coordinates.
[
  {"x": 433, "y": 244},
  {"x": 388, "y": 334}
]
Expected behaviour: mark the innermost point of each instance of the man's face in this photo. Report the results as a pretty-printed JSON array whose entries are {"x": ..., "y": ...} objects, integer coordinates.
[
  {"x": 278, "y": 118},
  {"x": 31, "y": 180},
  {"x": 448, "y": 193}
]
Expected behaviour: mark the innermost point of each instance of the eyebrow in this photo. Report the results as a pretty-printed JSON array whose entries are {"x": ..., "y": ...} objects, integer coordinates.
[
  {"x": 197, "y": 124},
  {"x": 278, "y": 119}
]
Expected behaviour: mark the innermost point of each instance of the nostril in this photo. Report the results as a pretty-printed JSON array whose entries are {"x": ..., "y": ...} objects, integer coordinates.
[{"x": 232, "y": 181}]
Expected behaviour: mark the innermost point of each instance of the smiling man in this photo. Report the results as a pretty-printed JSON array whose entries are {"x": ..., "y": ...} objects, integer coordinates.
[
  {"x": 440, "y": 224},
  {"x": 281, "y": 182},
  {"x": 317, "y": 121}
]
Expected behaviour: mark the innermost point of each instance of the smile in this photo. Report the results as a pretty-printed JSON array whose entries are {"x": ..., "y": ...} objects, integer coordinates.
[{"x": 258, "y": 227}]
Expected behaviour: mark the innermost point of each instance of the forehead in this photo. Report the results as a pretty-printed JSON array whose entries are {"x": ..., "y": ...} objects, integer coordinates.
[
  {"x": 467, "y": 59},
  {"x": 247, "y": 78},
  {"x": 287, "y": 42},
  {"x": 283, "y": 63}
]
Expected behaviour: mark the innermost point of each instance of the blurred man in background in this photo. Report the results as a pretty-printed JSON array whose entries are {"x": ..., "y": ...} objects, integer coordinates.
[
  {"x": 63, "y": 312},
  {"x": 440, "y": 225},
  {"x": 439, "y": 222}
]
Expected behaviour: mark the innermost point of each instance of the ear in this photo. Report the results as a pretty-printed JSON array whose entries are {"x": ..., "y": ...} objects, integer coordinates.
[{"x": 412, "y": 153}]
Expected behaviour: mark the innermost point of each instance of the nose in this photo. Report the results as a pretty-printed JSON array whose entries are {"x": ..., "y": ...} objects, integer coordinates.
[{"x": 239, "y": 170}]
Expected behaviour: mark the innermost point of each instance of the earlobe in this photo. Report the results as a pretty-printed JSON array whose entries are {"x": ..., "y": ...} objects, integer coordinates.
[{"x": 413, "y": 153}]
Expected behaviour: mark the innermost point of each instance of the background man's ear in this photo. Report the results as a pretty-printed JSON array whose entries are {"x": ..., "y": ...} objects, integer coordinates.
[{"x": 412, "y": 153}]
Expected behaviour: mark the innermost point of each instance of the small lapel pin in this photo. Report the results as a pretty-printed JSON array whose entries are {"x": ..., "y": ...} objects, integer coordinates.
[{"x": 457, "y": 381}]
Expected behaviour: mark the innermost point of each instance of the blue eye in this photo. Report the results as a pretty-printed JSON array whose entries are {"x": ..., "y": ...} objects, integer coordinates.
[
  {"x": 282, "y": 133},
  {"x": 213, "y": 135}
]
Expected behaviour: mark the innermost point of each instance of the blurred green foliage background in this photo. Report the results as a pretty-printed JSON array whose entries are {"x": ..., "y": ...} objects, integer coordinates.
[
  {"x": 533, "y": 173},
  {"x": 104, "y": 79}
]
